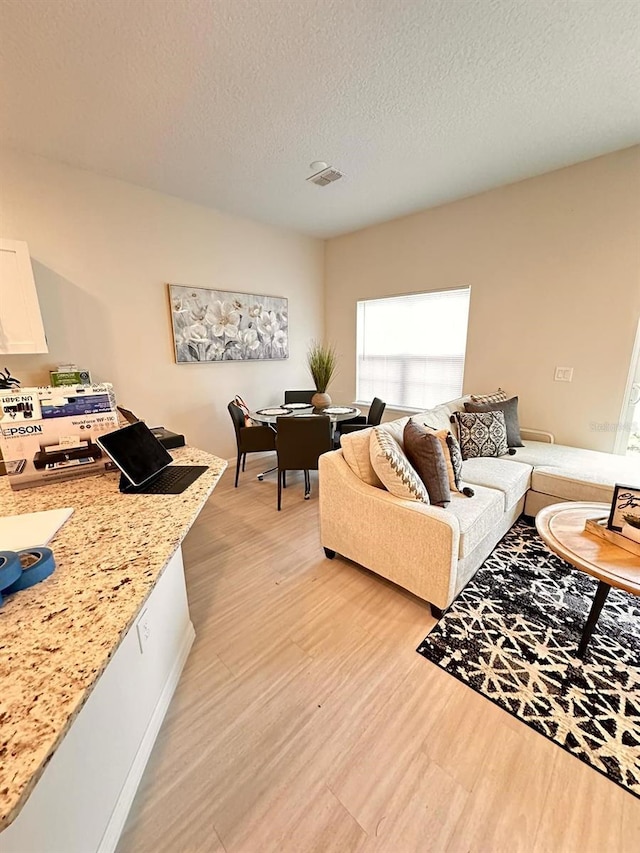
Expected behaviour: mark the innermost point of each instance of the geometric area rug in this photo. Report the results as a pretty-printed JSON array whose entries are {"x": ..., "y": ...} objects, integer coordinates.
[{"x": 512, "y": 635}]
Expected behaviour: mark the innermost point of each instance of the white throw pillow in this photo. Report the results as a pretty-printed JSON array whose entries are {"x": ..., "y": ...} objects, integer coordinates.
[{"x": 394, "y": 469}]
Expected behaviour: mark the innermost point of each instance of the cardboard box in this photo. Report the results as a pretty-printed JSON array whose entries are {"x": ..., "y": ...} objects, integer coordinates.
[
  {"x": 69, "y": 377},
  {"x": 50, "y": 433}
]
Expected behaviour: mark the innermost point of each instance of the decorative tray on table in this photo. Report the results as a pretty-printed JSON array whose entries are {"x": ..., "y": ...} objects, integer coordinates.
[{"x": 598, "y": 527}]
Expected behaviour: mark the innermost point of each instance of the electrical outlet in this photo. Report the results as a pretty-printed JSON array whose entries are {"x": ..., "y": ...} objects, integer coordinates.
[
  {"x": 143, "y": 627},
  {"x": 563, "y": 374}
]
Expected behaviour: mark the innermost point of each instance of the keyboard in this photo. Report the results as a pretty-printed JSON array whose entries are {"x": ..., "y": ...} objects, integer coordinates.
[{"x": 172, "y": 481}]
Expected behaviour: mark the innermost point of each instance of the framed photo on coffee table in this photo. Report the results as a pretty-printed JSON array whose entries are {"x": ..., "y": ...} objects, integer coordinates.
[{"x": 626, "y": 501}]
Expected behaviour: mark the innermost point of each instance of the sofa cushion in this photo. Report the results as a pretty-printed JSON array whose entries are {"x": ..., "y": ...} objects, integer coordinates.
[
  {"x": 574, "y": 473},
  {"x": 482, "y": 434},
  {"x": 511, "y": 479},
  {"x": 394, "y": 469},
  {"x": 424, "y": 450},
  {"x": 477, "y": 516},
  {"x": 578, "y": 485},
  {"x": 437, "y": 418}
]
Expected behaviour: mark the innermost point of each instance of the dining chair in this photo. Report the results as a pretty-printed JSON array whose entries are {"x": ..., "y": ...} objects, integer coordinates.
[
  {"x": 376, "y": 410},
  {"x": 250, "y": 439},
  {"x": 300, "y": 441},
  {"x": 298, "y": 396}
]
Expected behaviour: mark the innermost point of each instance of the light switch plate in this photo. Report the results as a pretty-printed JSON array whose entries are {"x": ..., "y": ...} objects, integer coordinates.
[{"x": 563, "y": 374}]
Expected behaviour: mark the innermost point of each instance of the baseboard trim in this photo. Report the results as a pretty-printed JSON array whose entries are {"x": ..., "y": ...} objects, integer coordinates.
[{"x": 123, "y": 804}]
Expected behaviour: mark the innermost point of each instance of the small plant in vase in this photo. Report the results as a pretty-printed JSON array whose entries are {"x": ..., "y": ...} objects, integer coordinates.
[{"x": 322, "y": 362}]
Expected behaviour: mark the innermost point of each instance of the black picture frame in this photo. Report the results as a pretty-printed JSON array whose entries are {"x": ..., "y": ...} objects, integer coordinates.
[{"x": 624, "y": 498}]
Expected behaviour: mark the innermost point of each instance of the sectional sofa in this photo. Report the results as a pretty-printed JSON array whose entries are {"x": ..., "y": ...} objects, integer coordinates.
[{"x": 433, "y": 552}]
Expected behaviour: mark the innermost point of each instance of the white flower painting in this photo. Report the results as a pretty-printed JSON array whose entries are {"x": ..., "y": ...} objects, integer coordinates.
[{"x": 218, "y": 325}]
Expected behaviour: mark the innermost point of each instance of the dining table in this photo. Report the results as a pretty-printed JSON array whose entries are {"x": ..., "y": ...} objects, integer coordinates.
[{"x": 270, "y": 414}]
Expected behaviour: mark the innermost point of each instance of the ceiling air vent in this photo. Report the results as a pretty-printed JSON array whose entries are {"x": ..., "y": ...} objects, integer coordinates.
[{"x": 325, "y": 176}]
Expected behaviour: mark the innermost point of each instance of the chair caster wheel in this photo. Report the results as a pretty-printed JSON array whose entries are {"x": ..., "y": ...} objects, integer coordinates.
[
  {"x": 306, "y": 497},
  {"x": 260, "y": 477}
]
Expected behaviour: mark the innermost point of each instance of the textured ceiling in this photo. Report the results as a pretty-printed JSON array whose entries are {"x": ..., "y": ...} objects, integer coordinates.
[{"x": 226, "y": 102}]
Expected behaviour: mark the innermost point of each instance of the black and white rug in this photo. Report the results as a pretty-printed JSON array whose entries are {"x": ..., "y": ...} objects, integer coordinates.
[{"x": 512, "y": 635}]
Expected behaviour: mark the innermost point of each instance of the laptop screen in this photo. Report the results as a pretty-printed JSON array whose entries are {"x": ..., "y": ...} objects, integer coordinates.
[{"x": 136, "y": 452}]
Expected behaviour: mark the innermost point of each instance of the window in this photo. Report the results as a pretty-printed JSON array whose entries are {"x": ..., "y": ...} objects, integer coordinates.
[{"x": 411, "y": 348}]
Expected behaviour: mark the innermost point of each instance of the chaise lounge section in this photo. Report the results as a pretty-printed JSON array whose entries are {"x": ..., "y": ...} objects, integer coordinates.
[{"x": 434, "y": 552}]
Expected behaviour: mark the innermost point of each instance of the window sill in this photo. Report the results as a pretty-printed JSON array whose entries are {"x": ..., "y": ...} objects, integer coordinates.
[{"x": 389, "y": 407}]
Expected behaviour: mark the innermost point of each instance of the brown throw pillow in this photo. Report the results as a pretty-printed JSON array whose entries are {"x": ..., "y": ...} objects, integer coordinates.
[{"x": 424, "y": 452}]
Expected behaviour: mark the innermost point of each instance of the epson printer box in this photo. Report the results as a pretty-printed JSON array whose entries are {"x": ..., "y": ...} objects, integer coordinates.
[{"x": 49, "y": 434}]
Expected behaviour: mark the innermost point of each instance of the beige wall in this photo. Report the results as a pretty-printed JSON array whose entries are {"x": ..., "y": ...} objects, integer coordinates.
[
  {"x": 553, "y": 263},
  {"x": 102, "y": 252}
]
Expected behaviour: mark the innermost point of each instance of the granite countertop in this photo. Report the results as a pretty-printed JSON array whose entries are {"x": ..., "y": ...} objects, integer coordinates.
[{"x": 57, "y": 637}]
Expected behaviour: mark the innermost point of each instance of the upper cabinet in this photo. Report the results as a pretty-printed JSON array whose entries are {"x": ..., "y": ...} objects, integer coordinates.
[{"x": 21, "y": 329}]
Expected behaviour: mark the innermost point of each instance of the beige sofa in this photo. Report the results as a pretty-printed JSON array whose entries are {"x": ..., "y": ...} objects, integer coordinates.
[{"x": 434, "y": 552}]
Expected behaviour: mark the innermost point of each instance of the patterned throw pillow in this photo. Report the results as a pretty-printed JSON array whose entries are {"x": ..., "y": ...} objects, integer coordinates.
[
  {"x": 455, "y": 454},
  {"x": 497, "y": 397},
  {"x": 510, "y": 409},
  {"x": 394, "y": 469},
  {"x": 482, "y": 434}
]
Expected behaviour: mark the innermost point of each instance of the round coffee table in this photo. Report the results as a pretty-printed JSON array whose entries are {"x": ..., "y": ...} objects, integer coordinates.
[{"x": 561, "y": 526}]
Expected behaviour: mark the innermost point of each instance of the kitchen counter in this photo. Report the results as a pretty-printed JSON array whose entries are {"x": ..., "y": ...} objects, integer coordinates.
[{"x": 57, "y": 638}]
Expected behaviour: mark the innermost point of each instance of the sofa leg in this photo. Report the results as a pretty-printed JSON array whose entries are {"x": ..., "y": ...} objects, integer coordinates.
[
  {"x": 436, "y": 612},
  {"x": 329, "y": 554}
]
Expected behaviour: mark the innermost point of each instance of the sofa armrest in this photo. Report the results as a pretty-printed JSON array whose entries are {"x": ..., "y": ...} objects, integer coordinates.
[
  {"x": 410, "y": 543},
  {"x": 537, "y": 435}
]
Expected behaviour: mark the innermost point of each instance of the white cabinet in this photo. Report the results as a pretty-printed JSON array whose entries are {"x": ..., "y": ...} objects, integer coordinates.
[{"x": 21, "y": 329}]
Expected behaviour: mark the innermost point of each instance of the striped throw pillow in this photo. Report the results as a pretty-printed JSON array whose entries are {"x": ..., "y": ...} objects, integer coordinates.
[
  {"x": 394, "y": 469},
  {"x": 498, "y": 396}
]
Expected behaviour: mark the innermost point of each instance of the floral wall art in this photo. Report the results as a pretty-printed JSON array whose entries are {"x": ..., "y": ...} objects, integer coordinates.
[{"x": 219, "y": 325}]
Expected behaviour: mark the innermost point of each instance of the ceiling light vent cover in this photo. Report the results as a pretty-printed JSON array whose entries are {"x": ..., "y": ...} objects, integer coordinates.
[{"x": 325, "y": 177}]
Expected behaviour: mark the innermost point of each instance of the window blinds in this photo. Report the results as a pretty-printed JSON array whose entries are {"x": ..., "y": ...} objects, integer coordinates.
[{"x": 411, "y": 349}]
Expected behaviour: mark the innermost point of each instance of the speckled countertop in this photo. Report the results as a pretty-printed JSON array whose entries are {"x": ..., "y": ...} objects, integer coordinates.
[{"x": 57, "y": 637}]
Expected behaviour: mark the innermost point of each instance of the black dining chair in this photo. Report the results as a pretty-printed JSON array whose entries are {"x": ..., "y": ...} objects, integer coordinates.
[
  {"x": 250, "y": 439},
  {"x": 298, "y": 396},
  {"x": 376, "y": 411},
  {"x": 300, "y": 441}
]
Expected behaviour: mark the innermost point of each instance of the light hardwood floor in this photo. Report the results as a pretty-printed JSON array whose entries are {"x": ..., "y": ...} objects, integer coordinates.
[{"x": 306, "y": 722}]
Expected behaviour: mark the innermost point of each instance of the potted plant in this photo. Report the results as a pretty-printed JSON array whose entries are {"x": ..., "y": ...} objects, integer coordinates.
[{"x": 322, "y": 362}]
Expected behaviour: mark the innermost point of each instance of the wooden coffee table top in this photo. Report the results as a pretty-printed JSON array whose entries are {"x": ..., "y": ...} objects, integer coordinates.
[{"x": 561, "y": 526}]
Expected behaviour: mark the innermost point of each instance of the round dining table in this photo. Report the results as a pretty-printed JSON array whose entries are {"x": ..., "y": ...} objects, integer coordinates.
[{"x": 271, "y": 414}]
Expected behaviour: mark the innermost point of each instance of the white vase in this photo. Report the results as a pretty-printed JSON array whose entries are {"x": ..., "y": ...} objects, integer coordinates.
[{"x": 630, "y": 532}]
